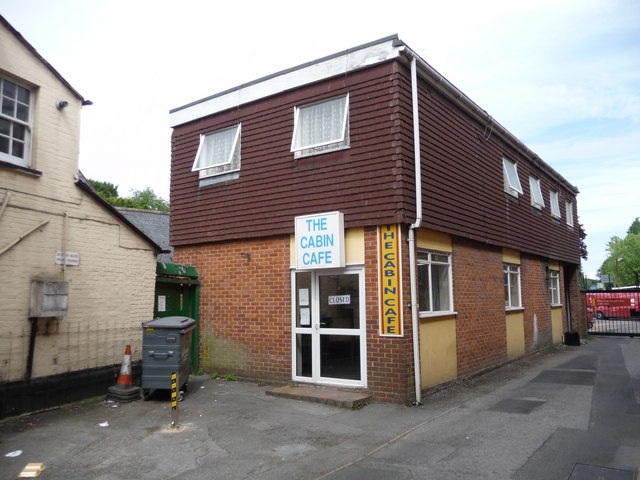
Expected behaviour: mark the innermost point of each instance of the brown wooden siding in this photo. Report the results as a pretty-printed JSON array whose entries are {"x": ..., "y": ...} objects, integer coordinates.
[
  {"x": 274, "y": 187},
  {"x": 372, "y": 181},
  {"x": 462, "y": 182}
]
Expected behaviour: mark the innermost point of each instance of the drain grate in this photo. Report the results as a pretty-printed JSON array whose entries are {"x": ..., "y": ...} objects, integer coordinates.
[{"x": 592, "y": 472}]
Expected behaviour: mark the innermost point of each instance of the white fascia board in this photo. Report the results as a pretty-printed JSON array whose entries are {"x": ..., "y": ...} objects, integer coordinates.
[{"x": 308, "y": 73}]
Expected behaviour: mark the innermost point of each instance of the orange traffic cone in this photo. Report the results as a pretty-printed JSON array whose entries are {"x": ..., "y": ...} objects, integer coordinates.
[
  {"x": 124, "y": 390},
  {"x": 125, "y": 377}
]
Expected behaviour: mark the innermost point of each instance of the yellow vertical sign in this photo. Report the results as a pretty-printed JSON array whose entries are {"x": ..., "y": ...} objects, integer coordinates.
[{"x": 390, "y": 280}]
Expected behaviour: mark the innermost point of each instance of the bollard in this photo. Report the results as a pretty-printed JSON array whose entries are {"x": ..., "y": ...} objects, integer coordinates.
[{"x": 174, "y": 400}]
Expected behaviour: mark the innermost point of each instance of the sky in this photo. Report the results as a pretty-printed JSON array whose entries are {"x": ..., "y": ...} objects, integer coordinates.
[{"x": 562, "y": 76}]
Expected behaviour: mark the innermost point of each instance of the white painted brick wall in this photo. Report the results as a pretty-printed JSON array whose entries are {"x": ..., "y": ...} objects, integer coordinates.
[{"x": 111, "y": 292}]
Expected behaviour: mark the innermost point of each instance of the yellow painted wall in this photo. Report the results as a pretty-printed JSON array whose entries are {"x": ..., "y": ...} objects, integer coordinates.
[
  {"x": 432, "y": 240},
  {"x": 111, "y": 291},
  {"x": 556, "y": 324},
  {"x": 354, "y": 247},
  {"x": 510, "y": 256},
  {"x": 438, "y": 357},
  {"x": 515, "y": 334}
]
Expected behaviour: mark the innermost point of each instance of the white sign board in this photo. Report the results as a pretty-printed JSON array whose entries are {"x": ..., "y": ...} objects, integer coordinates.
[
  {"x": 162, "y": 303},
  {"x": 70, "y": 258},
  {"x": 320, "y": 241}
]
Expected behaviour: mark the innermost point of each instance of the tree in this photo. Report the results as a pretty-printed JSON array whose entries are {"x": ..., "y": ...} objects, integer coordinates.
[
  {"x": 584, "y": 254},
  {"x": 104, "y": 189},
  {"x": 623, "y": 261},
  {"x": 635, "y": 227},
  {"x": 145, "y": 199},
  {"x": 148, "y": 200}
]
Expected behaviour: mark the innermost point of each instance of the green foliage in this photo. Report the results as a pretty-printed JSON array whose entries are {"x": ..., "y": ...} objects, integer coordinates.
[
  {"x": 104, "y": 189},
  {"x": 230, "y": 377},
  {"x": 214, "y": 375},
  {"x": 584, "y": 254},
  {"x": 635, "y": 227},
  {"x": 623, "y": 261},
  {"x": 148, "y": 200},
  {"x": 145, "y": 199}
]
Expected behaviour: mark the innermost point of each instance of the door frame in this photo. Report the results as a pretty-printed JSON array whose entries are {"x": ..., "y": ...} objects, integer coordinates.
[{"x": 315, "y": 331}]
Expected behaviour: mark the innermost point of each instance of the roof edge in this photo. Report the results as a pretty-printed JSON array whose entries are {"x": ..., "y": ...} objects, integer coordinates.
[
  {"x": 31, "y": 48},
  {"x": 85, "y": 186},
  {"x": 458, "y": 96},
  {"x": 372, "y": 53}
]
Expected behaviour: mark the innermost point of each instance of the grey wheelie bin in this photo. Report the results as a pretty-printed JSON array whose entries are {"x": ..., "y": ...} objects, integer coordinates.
[{"x": 166, "y": 348}]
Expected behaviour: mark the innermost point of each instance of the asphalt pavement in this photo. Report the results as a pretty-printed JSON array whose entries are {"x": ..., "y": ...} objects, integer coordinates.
[{"x": 566, "y": 413}]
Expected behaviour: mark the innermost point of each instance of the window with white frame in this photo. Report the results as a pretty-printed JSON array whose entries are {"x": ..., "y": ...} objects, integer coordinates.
[
  {"x": 434, "y": 282},
  {"x": 15, "y": 123},
  {"x": 512, "y": 297},
  {"x": 569, "y": 212},
  {"x": 554, "y": 287},
  {"x": 512, "y": 183},
  {"x": 536, "y": 193},
  {"x": 555, "y": 204},
  {"x": 218, "y": 152},
  {"x": 321, "y": 127}
]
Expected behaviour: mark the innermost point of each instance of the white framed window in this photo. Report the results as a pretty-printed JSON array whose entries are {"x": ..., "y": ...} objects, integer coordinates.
[
  {"x": 321, "y": 127},
  {"x": 568, "y": 208},
  {"x": 536, "y": 193},
  {"x": 555, "y": 203},
  {"x": 15, "y": 123},
  {"x": 554, "y": 287},
  {"x": 511, "y": 180},
  {"x": 218, "y": 152},
  {"x": 512, "y": 297},
  {"x": 435, "y": 293}
]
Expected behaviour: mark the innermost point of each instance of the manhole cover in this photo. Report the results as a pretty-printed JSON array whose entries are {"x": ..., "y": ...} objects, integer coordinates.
[
  {"x": 517, "y": 405},
  {"x": 569, "y": 377}
]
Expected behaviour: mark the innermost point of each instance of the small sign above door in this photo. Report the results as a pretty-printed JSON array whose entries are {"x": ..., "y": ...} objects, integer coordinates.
[
  {"x": 319, "y": 241},
  {"x": 340, "y": 300}
]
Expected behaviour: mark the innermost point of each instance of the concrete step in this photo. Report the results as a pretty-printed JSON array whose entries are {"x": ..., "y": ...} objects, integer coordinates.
[{"x": 352, "y": 399}]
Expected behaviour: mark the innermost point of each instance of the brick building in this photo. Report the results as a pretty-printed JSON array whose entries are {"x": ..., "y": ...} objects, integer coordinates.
[{"x": 357, "y": 221}]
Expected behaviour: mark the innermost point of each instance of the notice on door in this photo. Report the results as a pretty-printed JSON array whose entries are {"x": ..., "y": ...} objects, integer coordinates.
[
  {"x": 339, "y": 299},
  {"x": 389, "y": 274},
  {"x": 305, "y": 317}
]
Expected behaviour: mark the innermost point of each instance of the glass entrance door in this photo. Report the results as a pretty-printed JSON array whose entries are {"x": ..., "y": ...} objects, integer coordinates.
[{"x": 328, "y": 335}]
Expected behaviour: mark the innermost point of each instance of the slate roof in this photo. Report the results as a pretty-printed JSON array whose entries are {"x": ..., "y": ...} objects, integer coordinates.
[{"x": 153, "y": 224}]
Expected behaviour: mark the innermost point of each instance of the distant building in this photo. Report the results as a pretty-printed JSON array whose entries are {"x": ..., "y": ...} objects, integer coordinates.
[
  {"x": 358, "y": 221},
  {"x": 79, "y": 277}
]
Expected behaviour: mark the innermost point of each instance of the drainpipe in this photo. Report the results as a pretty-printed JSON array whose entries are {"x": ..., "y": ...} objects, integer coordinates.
[
  {"x": 415, "y": 321},
  {"x": 32, "y": 348}
]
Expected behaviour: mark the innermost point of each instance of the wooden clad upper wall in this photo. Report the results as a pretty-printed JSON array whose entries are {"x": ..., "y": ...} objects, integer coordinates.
[
  {"x": 273, "y": 187},
  {"x": 372, "y": 181},
  {"x": 462, "y": 182}
]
